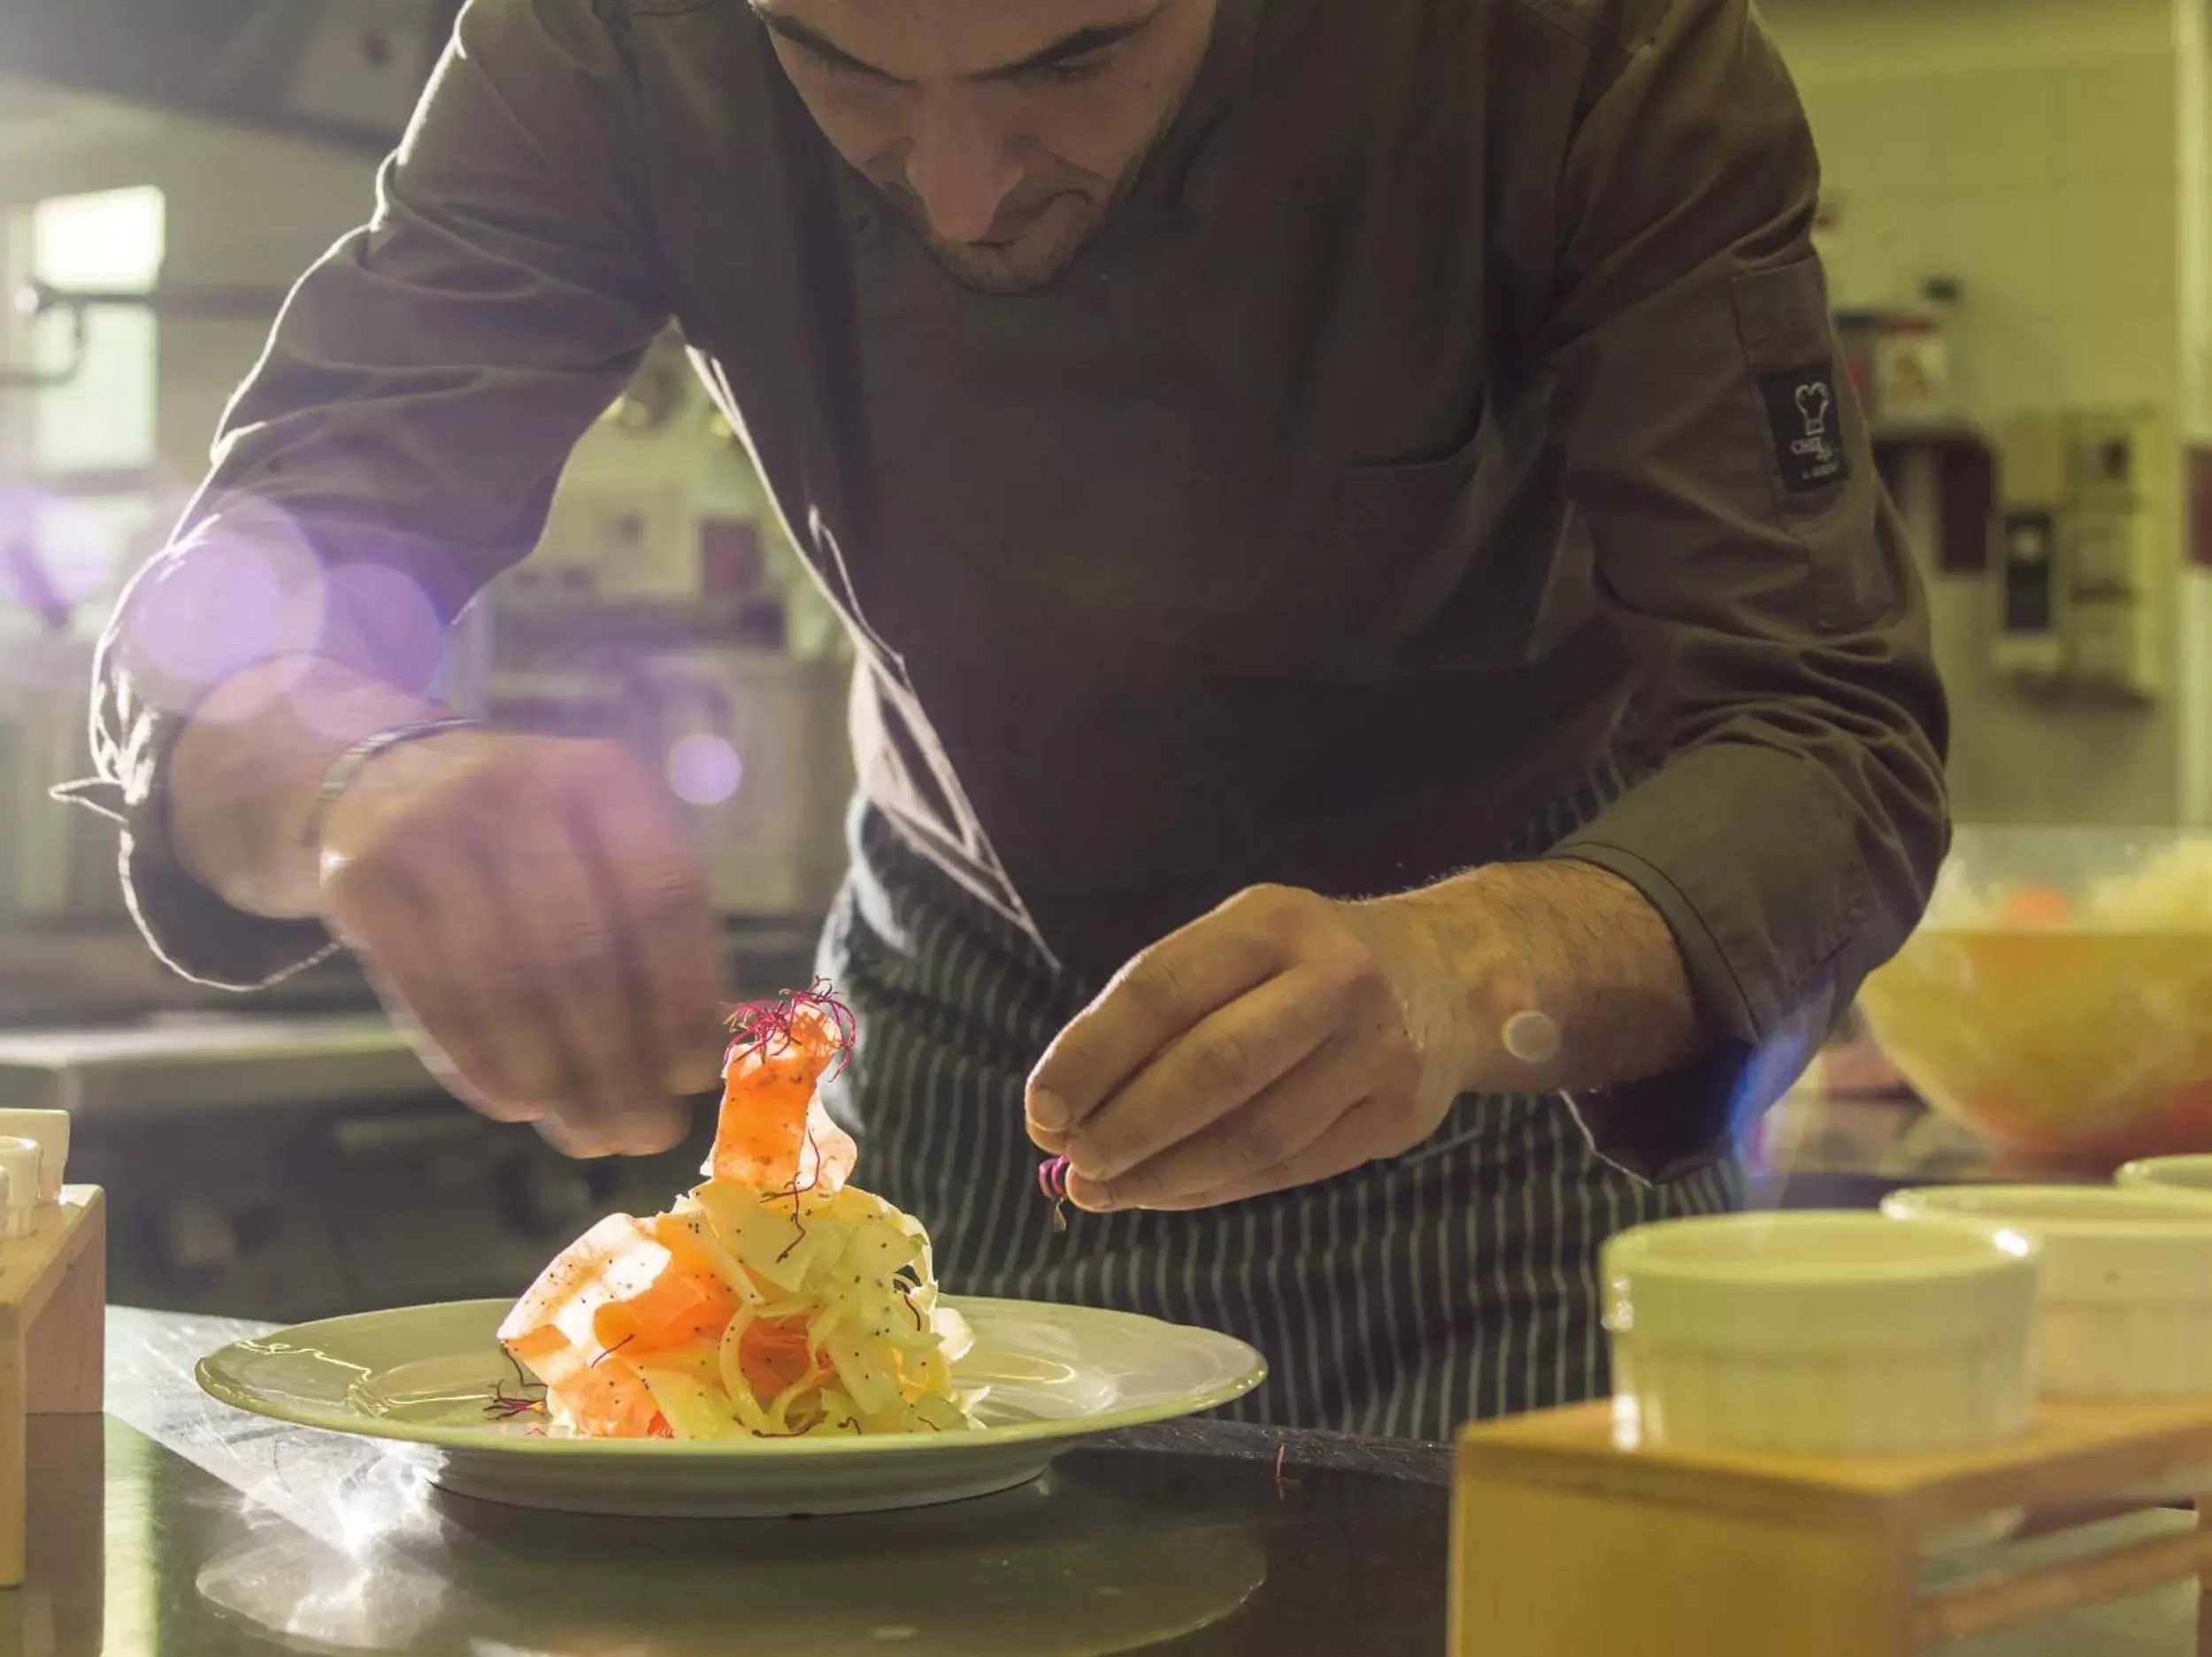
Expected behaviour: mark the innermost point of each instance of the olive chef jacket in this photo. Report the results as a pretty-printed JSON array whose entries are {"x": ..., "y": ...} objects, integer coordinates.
[{"x": 1457, "y": 374}]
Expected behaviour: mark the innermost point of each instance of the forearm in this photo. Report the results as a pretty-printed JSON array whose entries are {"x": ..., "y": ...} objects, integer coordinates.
[
  {"x": 245, "y": 772},
  {"x": 1569, "y": 941}
]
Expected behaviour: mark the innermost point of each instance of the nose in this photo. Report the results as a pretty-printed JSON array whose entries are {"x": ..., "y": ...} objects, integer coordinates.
[{"x": 960, "y": 169}]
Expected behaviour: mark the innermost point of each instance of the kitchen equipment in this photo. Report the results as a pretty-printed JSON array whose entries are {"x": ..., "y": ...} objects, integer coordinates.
[
  {"x": 748, "y": 740},
  {"x": 56, "y": 862},
  {"x": 422, "y": 1378},
  {"x": 1573, "y": 1533},
  {"x": 2083, "y": 553},
  {"x": 2125, "y": 1309},
  {"x": 2058, "y": 996},
  {"x": 753, "y": 743},
  {"x": 2168, "y": 1173},
  {"x": 53, "y": 1304},
  {"x": 1821, "y": 1333}
]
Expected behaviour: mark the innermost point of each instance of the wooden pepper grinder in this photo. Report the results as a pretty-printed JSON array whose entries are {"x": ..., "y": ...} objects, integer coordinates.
[{"x": 53, "y": 1304}]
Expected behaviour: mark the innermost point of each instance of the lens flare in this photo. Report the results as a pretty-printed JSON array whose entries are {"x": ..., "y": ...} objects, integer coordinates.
[{"x": 705, "y": 769}]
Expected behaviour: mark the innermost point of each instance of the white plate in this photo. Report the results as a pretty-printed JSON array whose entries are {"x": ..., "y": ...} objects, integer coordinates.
[{"x": 421, "y": 1377}]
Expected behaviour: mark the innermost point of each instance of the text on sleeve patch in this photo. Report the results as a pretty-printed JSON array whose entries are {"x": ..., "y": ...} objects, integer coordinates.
[{"x": 1808, "y": 424}]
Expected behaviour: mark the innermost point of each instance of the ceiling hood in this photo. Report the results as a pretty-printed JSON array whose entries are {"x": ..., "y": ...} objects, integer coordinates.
[{"x": 344, "y": 72}]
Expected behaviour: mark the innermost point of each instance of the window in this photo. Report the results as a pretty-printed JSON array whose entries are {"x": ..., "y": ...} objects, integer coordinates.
[
  {"x": 102, "y": 419},
  {"x": 77, "y": 499}
]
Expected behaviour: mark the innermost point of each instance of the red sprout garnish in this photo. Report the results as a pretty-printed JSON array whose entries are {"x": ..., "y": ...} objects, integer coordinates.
[
  {"x": 610, "y": 1350},
  {"x": 798, "y": 1225},
  {"x": 1052, "y": 1179},
  {"x": 796, "y": 1192},
  {"x": 772, "y": 1026},
  {"x": 527, "y": 1399}
]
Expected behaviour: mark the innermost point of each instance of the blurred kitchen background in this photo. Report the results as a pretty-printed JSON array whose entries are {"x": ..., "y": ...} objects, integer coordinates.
[{"x": 2018, "y": 230}]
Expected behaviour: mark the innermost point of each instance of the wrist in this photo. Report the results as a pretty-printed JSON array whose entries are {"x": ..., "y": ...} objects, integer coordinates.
[
  {"x": 347, "y": 772},
  {"x": 1457, "y": 976},
  {"x": 247, "y": 772},
  {"x": 1571, "y": 942}
]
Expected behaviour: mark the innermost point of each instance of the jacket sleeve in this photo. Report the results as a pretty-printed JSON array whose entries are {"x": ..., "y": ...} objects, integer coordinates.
[
  {"x": 399, "y": 442},
  {"x": 1748, "y": 556}
]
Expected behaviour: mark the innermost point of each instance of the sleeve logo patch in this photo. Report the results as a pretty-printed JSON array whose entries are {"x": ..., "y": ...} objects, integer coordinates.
[{"x": 1802, "y": 408}]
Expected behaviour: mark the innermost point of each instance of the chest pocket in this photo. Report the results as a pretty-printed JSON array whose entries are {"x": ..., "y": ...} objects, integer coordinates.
[{"x": 1400, "y": 542}]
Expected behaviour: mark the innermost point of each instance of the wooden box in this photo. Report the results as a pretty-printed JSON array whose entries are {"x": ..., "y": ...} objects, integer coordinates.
[
  {"x": 1571, "y": 1538},
  {"x": 53, "y": 1304}
]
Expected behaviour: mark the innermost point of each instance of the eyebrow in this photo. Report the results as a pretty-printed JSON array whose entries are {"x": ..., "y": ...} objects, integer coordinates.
[{"x": 1082, "y": 42}]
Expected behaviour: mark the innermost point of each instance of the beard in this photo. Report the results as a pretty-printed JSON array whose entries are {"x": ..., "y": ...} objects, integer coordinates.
[
  {"x": 1031, "y": 262},
  {"x": 1025, "y": 264},
  {"x": 1068, "y": 221}
]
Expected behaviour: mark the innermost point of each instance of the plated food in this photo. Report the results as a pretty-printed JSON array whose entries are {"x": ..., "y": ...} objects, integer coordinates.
[
  {"x": 773, "y": 1301},
  {"x": 774, "y": 1343}
]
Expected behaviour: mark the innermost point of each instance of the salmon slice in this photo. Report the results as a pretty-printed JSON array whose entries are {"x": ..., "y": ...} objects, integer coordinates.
[
  {"x": 616, "y": 1293},
  {"x": 772, "y": 1133},
  {"x": 774, "y": 1357}
]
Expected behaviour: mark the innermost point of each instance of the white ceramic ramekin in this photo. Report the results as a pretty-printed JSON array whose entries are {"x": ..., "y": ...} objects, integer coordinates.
[
  {"x": 2191, "y": 1174},
  {"x": 2126, "y": 1305},
  {"x": 1823, "y": 1333}
]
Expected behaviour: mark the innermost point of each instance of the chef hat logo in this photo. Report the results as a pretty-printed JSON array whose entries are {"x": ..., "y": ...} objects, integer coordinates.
[{"x": 1814, "y": 401}]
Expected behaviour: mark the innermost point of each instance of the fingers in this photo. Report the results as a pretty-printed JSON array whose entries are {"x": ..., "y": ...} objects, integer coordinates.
[
  {"x": 414, "y": 934},
  {"x": 1162, "y": 994},
  {"x": 1226, "y": 1066},
  {"x": 450, "y": 1035},
  {"x": 491, "y": 1007},
  {"x": 559, "y": 920},
  {"x": 1265, "y": 1132},
  {"x": 535, "y": 918},
  {"x": 658, "y": 896},
  {"x": 1371, "y": 1129}
]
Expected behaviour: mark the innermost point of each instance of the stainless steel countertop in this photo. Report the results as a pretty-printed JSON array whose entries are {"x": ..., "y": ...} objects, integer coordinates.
[
  {"x": 199, "y": 1063},
  {"x": 261, "y": 1052},
  {"x": 179, "y": 1527}
]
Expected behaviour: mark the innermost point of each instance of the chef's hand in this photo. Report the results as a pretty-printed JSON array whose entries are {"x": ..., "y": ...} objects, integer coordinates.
[
  {"x": 531, "y": 911},
  {"x": 1281, "y": 1040},
  {"x": 1287, "y": 1038}
]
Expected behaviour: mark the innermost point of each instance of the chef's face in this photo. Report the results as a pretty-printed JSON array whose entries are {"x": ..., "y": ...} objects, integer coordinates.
[{"x": 1004, "y": 130}]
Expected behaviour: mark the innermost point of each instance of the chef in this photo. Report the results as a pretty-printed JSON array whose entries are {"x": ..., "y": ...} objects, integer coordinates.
[{"x": 1393, "y": 712}]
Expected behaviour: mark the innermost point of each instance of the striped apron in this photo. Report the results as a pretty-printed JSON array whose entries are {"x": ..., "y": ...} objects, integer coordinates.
[{"x": 1454, "y": 1283}]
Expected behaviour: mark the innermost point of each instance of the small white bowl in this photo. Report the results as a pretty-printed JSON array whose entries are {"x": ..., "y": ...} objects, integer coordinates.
[
  {"x": 1823, "y": 1333},
  {"x": 49, "y": 1130},
  {"x": 2169, "y": 1173},
  {"x": 2126, "y": 1305}
]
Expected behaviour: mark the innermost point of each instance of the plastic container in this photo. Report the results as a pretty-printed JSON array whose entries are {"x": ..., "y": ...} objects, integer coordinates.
[
  {"x": 2058, "y": 996},
  {"x": 1822, "y": 1333}
]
